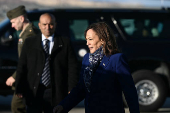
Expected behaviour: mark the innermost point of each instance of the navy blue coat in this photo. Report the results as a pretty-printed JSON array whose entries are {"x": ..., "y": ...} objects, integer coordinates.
[{"x": 110, "y": 79}]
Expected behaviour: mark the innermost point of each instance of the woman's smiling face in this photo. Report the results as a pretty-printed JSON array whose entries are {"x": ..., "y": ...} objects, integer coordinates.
[{"x": 93, "y": 41}]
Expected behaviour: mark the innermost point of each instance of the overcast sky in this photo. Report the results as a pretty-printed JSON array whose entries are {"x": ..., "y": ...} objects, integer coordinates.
[{"x": 154, "y": 3}]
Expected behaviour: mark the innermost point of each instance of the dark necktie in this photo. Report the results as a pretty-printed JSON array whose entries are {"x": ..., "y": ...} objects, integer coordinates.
[{"x": 46, "y": 70}]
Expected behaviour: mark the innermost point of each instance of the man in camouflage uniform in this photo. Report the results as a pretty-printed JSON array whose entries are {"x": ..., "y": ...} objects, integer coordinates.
[{"x": 19, "y": 21}]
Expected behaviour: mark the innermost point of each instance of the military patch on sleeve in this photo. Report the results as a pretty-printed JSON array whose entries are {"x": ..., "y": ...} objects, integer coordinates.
[{"x": 20, "y": 41}]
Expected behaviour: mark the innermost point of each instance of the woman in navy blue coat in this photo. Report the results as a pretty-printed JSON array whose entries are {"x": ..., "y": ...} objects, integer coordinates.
[{"x": 104, "y": 75}]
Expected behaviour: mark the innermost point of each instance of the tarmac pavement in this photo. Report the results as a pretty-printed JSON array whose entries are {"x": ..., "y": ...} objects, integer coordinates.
[{"x": 6, "y": 101}]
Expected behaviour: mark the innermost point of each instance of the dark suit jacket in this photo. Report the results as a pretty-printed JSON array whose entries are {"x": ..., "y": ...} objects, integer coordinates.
[
  {"x": 63, "y": 68},
  {"x": 110, "y": 79},
  {"x": 30, "y": 31}
]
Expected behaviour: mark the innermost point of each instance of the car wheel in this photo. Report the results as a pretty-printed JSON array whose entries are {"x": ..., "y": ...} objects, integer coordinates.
[{"x": 151, "y": 89}]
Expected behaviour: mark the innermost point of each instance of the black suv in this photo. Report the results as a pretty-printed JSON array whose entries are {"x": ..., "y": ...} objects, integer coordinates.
[{"x": 142, "y": 35}]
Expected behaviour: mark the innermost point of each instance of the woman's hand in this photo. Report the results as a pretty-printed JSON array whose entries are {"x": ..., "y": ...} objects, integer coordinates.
[{"x": 58, "y": 109}]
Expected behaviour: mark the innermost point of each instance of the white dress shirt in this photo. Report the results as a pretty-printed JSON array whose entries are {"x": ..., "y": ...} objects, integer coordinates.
[{"x": 51, "y": 42}]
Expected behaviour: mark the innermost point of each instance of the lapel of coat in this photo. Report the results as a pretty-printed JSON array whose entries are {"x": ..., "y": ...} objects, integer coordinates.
[
  {"x": 104, "y": 63},
  {"x": 57, "y": 43},
  {"x": 38, "y": 45},
  {"x": 98, "y": 75},
  {"x": 38, "y": 42}
]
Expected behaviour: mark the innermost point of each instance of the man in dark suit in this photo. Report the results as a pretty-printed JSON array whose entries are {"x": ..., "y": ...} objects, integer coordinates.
[{"x": 47, "y": 69}]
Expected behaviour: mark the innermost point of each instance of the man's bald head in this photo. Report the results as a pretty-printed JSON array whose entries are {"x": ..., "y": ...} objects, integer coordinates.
[
  {"x": 47, "y": 24},
  {"x": 47, "y": 15}
]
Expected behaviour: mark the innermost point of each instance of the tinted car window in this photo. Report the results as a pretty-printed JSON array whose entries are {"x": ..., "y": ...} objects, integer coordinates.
[
  {"x": 77, "y": 28},
  {"x": 145, "y": 28}
]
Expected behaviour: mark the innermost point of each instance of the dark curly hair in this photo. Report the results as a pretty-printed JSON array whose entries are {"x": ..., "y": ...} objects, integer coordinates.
[{"x": 105, "y": 33}]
